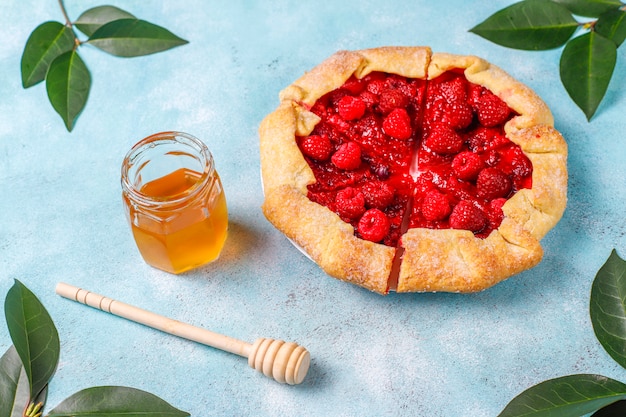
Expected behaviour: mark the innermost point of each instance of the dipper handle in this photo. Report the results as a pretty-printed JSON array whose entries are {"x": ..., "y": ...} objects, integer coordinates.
[{"x": 286, "y": 362}]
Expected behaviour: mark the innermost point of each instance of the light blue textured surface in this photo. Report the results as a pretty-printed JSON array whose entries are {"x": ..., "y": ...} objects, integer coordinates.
[{"x": 61, "y": 219}]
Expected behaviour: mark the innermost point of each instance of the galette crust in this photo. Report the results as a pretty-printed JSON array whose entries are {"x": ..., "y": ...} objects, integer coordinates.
[
  {"x": 456, "y": 261},
  {"x": 329, "y": 240},
  {"x": 431, "y": 260}
]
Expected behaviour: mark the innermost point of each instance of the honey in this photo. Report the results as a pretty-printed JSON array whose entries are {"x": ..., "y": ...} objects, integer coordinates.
[{"x": 175, "y": 202}]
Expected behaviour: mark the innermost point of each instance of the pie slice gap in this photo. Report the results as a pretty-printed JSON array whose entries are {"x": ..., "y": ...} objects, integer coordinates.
[{"x": 398, "y": 169}]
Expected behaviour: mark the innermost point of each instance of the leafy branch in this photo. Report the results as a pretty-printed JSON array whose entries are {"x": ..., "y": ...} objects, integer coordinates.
[
  {"x": 579, "y": 395},
  {"x": 51, "y": 53},
  {"x": 28, "y": 366},
  {"x": 587, "y": 61}
]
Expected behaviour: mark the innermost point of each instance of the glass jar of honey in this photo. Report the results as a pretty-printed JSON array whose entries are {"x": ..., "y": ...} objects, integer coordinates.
[{"x": 174, "y": 201}]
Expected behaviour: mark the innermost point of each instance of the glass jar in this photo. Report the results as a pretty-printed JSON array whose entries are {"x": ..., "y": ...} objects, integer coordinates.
[{"x": 174, "y": 201}]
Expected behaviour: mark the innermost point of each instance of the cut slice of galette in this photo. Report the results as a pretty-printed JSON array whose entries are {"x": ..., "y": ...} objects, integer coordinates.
[{"x": 400, "y": 169}]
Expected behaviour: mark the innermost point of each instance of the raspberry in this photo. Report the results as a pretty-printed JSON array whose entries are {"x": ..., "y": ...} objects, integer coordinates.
[
  {"x": 492, "y": 183},
  {"x": 354, "y": 85},
  {"x": 495, "y": 213},
  {"x": 516, "y": 162},
  {"x": 457, "y": 115},
  {"x": 338, "y": 123},
  {"x": 474, "y": 93},
  {"x": 454, "y": 90},
  {"x": 376, "y": 86},
  {"x": 350, "y": 203},
  {"x": 319, "y": 109},
  {"x": 374, "y": 76},
  {"x": 378, "y": 194},
  {"x": 491, "y": 110},
  {"x": 333, "y": 97},
  {"x": 347, "y": 157},
  {"x": 466, "y": 165},
  {"x": 448, "y": 104},
  {"x": 374, "y": 225},
  {"x": 442, "y": 139},
  {"x": 492, "y": 158},
  {"x": 397, "y": 124},
  {"x": 317, "y": 147},
  {"x": 392, "y": 99},
  {"x": 460, "y": 190},
  {"x": 435, "y": 206},
  {"x": 497, "y": 203},
  {"x": 350, "y": 108},
  {"x": 368, "y": 98},
  {"x": 467, "y": 216},
  {"x": 367, "y": 131},
  {"x": 424, "y": 182},
  {"x": 485, "y": 138},
  {"x": 408, "y": 87}
]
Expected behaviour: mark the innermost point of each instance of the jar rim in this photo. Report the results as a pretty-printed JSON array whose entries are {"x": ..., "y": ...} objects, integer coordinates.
[{"x": 206, "y": 161}]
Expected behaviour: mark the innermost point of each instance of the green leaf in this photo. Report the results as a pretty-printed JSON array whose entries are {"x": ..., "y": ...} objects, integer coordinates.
[
  {"x": 33, "y": 334},
  {"x": 586, "y": 67},
  {"x": 14, "y": 388},
  {"x": 529, "y": 25},
  {"x": 109, "y": 401},
  {"x": 68, "y": 83},
  {"x": 612, "y": 25},
  {"x": 607, "y": 307},
  {"x": 568, "y": 396},
  {"x": 45, "y": 43},
  {"x": 589, "y": 8},
  {"x": 92, "y": 19},
  {"x": 616, "y": 409},
  {"x": 133, "y": 37}
]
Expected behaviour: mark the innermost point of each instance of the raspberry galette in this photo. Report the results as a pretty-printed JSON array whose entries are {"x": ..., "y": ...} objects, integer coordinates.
[{"x": 400, "y": 169}]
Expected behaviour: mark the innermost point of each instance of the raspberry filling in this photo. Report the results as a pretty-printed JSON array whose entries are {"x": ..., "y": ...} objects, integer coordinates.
[{"x": 391, "y": 153}]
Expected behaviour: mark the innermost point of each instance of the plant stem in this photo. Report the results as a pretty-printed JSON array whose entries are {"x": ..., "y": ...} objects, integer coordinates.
[
  {"x": 590, "y": 25},
  {"x": 68, "y": 22}
]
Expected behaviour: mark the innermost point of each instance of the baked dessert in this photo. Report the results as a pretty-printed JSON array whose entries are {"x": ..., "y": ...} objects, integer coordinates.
[{"x": 400, "y": 169}]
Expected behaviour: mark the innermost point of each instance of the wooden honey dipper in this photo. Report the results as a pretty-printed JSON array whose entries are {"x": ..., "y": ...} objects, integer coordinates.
[{"x": 286, "y": 362}]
